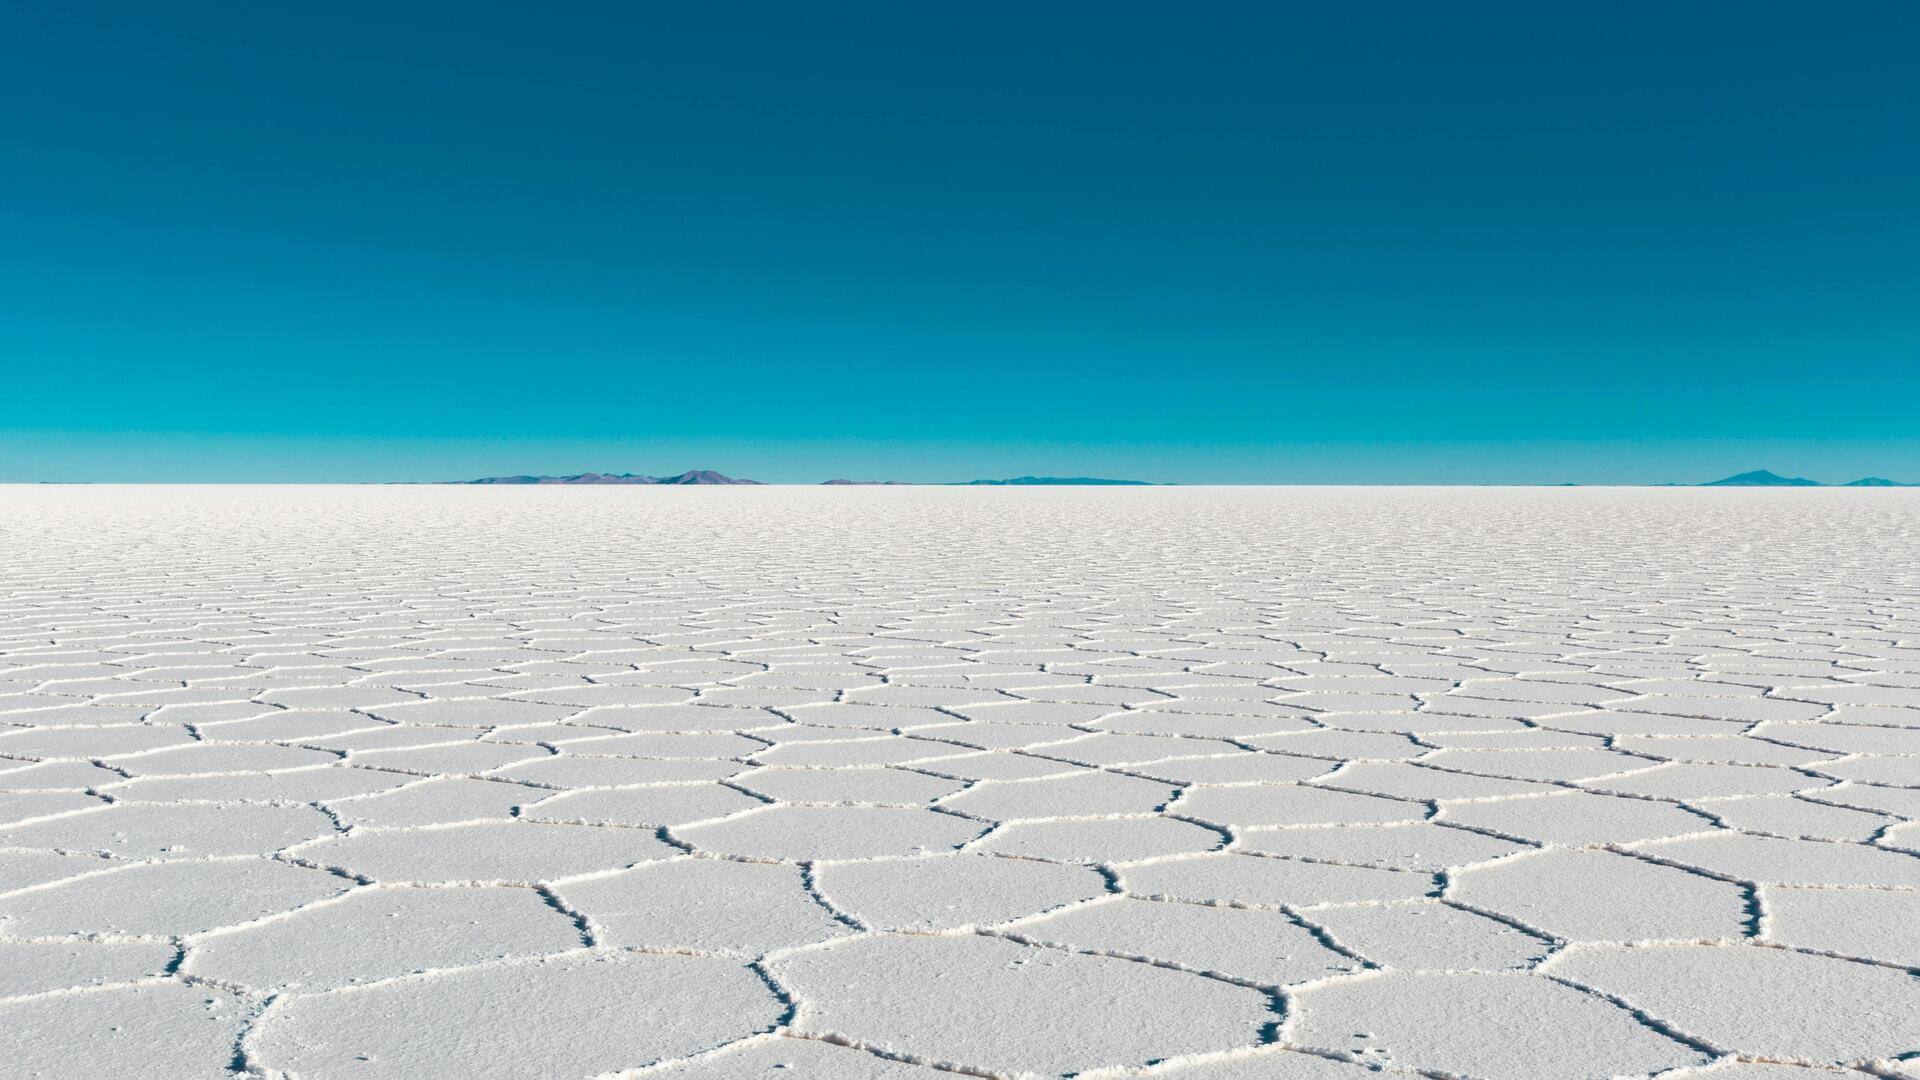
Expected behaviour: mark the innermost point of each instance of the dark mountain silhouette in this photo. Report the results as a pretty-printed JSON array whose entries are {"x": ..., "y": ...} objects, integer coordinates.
[
  {"x": 702, "y": 476},
  {"x": 692, "y": 476},
  {"x": 1875, "y": 481},
  {"x": 1762, "y": 478},
  {"x": 1029, "y": 481}
]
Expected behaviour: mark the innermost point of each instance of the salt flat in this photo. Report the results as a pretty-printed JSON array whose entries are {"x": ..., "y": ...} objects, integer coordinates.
[{"x": 852, "y": 784}]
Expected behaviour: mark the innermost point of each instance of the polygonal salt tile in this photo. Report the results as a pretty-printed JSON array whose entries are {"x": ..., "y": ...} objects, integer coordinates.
[
  {"x": 378, "y": 933},
  {"x": 1789, "y": 815},
  {"x": 994, "y": 765},
  {"x": 436, "y": 802},
  {"x": 164, "y": 899},
  {"x": 970, "y": 1000},
  {"x": 1107, "y": 749},
  {"x": 777, "y": 1057},
  {"x": 392, "y": 738},
  {"x": 1245, "y": 767},
  {"x": 155, "y": 1029},
  {"x": 203, "y": 759},
  {"x": 508, "y": 852},
  {"x": 1402, "y": 780},
  {"x": 1100, "y": 840},
  {"x": 472, "y": 712},
  {"x": 1608, "y": 723},
  {"x": 1413, "y": 846},
  {"x": 1719, "y": 749},
  {"x": 639, "y": 1009},
  {"x": 1525, "y": 739},
  {"x": 1749, "y": 1070},
  {"x": 1430, "y": 935},
  {"x": 1836, "y": 738},
  {"x": 1578, "y": 818},
  {"x": 36, "y": 967},
  {"x": 55, "y": 776},
  {"x": 1087, "y": 794},
  {"x": 1088, "y": 694},
  {"x": 1201, "y": 721},
  {"x": 1874, "y": 924},
  {"x": 642, "y": 807},
  {"x": 336, "y": 697},
  {"x": 23, "y": 869},
  {"x": 295, "y": 786},
  {"x": 831, "y": 832},
  {"x": 566, "y": 771},
  {"x": 1498, "y": 1029},
  {"x": 307, "y": 726},
  {"x": 1772, "y": 861},
  {"x": 449, "y": 758},
  {"x": 678, "y": 718},
  {"x": 1774, "y": 1003},
  {"x": 947, "y": 892},
  {"x": 82, "y": 715},
  {"x": 888, "y": 750},
  {"x": 1894, "y": 771},
  {"x": 874, "y": 718},
  {"x": 1742, "y": 710},
  {"x": 1900, "y": 802},
  {"x": 587, "y": 697},
  {"x": 24, "y": 807},
  {"x": 1551, "y": 764},
  {"x": 1270, "y": 1063},
  {"x": 871, "y": 786},
  {"x": 1338, "y": 704},
  {"x": 1341, "y": 745},
  {"x": 87, "y": 743},
  {"x": 1268, "y": 806},
  {"x": 1483, "y": 708},
  {"x": 1906, "y": 697},
  {"x": 1586, "y": 895},
  {"x": 704, "y": 905},
  {"x": 987, "y": 735},
  {"x": 1058, "y": 714},
  {"x": 1406, "y": 722},
  {"x": 150, "y": 830},
  {"x": 1264, "y": 948},
  {"x": 679, "y": 744},
  {"x": 1710, "y": 781},
  {"x": 1228, "y": 878}
]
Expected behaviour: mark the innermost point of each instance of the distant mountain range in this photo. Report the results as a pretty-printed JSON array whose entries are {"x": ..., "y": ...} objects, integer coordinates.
[
  {"x": 708, "y": 476},
  {"x": 692, "y": 476},
  {"x": 1055, "y": 481},
  {"x": 1756, "y": 478},
  {"x": 1763, "y": 478}
]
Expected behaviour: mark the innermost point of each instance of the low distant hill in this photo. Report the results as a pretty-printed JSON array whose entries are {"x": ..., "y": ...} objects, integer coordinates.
[
  {"x": 692, "y": 476},
  {"x": 1034, "y": 481},
  {"x": 1762, "y": 478}
]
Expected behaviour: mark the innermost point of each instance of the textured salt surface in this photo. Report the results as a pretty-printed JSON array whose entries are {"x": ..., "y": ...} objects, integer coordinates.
[{"x": 860, "y": 784}]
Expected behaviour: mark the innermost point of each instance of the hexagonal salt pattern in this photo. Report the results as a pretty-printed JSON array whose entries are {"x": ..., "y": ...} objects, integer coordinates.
[{"x": 880, "y": 785}]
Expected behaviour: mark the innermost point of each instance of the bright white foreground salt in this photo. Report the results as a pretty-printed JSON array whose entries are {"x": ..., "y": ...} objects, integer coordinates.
[{"x": 855, "y": 784}]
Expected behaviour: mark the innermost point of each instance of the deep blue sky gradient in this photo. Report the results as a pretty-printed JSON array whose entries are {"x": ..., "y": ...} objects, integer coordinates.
[{"x": 1416, "y": 242}]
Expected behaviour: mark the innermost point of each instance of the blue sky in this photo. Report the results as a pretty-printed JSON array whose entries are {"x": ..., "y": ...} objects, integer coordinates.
[{"x": 1235, "y": 243}]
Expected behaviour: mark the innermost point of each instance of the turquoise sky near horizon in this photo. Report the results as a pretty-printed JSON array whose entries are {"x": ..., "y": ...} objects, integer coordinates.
[{"x": 1238, "y": 243}]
